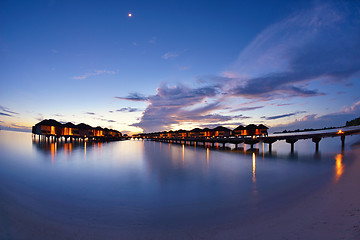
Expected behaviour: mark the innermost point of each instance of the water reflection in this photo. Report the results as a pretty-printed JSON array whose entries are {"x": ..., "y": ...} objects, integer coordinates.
[
  {"x": 133, "y": 182},
  {"x": 53, "y": 148},
  {"x": 339, "y": 166},
  {"x": 207, "y": 157},
  {"x": 183, "y": 154},
  {"x": 253, "y": 167},
  {"x": 255, "y": 192}
]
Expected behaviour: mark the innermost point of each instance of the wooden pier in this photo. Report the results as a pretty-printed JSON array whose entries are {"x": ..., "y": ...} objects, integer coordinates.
[{"x": 291, "y": 138}]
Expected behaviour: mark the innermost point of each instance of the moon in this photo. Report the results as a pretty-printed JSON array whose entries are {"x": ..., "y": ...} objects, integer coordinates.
[{"x": 130, "y": 15}]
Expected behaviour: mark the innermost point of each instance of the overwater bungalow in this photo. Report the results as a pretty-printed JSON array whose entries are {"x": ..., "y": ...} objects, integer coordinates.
[
  {"x": 98, "y": 132},
  {"x": 220, "y": 131},
  {"x": 70, "y": 129},
  {"x": 181, "y": 133},
  {"x": 170, "y": 134},
  {"x": 53, "y": 128},
  {"x": 195, "y": 133},
  {"x": 205, "y": 133},
  {"x": 47, "y": 127},
  {"x": 85, "y": 130},
  {"x": 239, "y": 131},
  {"x": 111, "y": 133},
  {"x": 262, "y": 130},
  {"x": 251, "y": 130}
]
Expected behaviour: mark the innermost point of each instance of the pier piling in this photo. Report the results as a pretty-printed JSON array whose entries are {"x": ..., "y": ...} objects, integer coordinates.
[
  {"x": 292, "y": 141},
  {"x": 343, "y": 141},
  {"x": 316, "y": 140}
]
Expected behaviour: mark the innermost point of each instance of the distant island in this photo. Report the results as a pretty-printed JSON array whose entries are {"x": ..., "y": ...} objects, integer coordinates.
[{"x": 354, "y": 122}]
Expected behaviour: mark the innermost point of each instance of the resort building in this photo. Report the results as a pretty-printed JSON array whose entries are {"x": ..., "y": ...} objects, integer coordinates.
[
  {"x": 251, "y": 130},
  {"x": 221, "y": 132},
  {"x": 195, "y": 133},
  {"x": 218, "y": 132},
  {"x": 53, "y": 128}
]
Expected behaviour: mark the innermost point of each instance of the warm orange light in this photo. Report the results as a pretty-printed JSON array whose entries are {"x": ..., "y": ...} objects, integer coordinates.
[
  {"x": 339, "y": 167},
  {"x": 340, "y": 132},
  {"x": 53, "y": 149},
  {"x": 183, "y": 153},
  {"x": 207, "y": 157},
  {"x": 85, "y": 149},
  {"x": 254, "y": 167},
  {"x": 52, "y": 130}
]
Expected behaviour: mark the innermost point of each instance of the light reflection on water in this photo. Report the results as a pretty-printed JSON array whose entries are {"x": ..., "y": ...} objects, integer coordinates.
[
  {"x": 143, "y": 182},
  {"x": 339, "y": 166},
  {"x": 254, "y": 167}
]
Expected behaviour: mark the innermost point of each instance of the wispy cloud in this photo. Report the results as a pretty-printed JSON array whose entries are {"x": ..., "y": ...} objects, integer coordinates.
[
  {"x": 136, "y": 97},
  {"x": 169, "y": 55},
  {"x": 128, "y": 109},
  {"x": 90, "y": 113},
  {"x": 19, "y": 126},
  {"x": 4, "y": 111},
  {"x": 241, "y": 117},
  {"x": 283, "y": 115},
  {"x": 283, "y": 104},
  {"x": 40, "y": 117},
  {"x": 319, "y": 44},
  {"x": 242, "y": 109},
  {"x": 95, "y": 73}
]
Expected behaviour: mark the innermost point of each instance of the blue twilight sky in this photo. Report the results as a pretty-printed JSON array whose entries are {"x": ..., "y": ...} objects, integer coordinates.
[{"x": 179, "y": 64}]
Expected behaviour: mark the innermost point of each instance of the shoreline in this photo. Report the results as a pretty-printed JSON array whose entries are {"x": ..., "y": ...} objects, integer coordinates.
[{"x": 332, "y": 212}]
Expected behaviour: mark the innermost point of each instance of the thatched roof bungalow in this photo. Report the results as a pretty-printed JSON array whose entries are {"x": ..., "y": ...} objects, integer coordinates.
[
  {"x": 54, "y": 128},
  {"x": 206, "y": 132},
  {"x": 239, "y": 131},
  {"x": 194, "y": 133},
  {"x": 47, "y": 127},
  {"x": 220, "y": 131},
  {"x": 251, "y": 130}
]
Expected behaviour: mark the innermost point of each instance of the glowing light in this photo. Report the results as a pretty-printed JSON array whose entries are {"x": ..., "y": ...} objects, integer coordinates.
[
  {"x": 85, "y": 149},
  {"x": 340, "y": 132},
  {"x": 52, "y": 131},
  {"x": 183, "y": 154},
  {"x": 130, "y": 15},
  {"x": 339, "y": 166},
  {"x": 53, "y": 149},
  {"x": 254, "y": 167},
  {"x": 207, "y": 156}
]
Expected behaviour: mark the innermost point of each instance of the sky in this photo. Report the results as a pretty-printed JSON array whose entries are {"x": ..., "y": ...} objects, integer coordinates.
[{"x": 179, "y": 64}]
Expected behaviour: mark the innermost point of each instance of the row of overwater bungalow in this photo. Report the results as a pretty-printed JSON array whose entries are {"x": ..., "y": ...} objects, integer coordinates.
[
  {"x": 251, "y": 130},
  {"x": 53, "y": 128}
]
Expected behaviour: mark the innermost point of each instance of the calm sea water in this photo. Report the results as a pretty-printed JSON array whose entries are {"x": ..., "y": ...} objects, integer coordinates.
[{"x": 140, "y": 185}]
